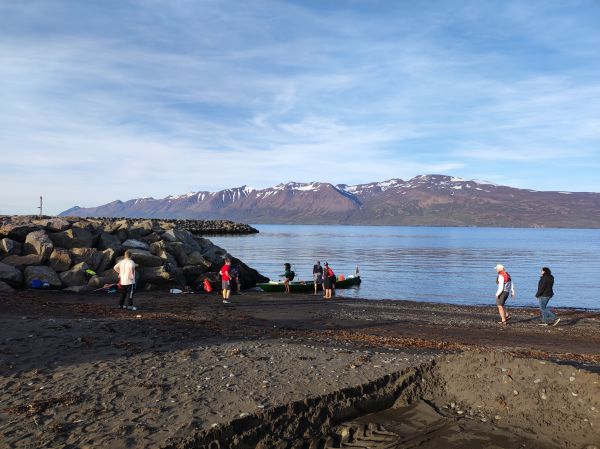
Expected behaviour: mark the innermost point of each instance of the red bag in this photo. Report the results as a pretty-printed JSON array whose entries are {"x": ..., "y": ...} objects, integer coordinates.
[{"x": 207, "y": 286}]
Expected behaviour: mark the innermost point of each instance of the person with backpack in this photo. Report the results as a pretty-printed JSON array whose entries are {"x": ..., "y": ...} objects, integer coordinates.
[
  {"x": 328, "y": 281},
  {"x": 505, "y": 289},
  {"x": 288, "y": 276},
  {"x": 544, "y": 293}
]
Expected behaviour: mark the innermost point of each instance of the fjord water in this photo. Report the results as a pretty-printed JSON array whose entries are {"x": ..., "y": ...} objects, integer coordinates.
[{"x": 439, "y": 264}]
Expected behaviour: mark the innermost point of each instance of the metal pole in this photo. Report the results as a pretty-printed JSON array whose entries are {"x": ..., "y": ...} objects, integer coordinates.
[{"x": 41, "y": 205}]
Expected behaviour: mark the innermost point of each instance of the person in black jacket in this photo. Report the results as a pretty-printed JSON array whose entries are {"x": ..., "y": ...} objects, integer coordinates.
[{"x": 544, "y": 293}]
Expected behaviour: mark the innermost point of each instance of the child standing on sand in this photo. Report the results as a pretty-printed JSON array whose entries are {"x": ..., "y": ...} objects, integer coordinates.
[
  {"x": 226, "y": 280},
  {"x": 126, "y": 270}
]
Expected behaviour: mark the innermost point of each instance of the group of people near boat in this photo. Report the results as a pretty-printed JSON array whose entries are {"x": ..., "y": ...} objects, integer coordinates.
[{"x": 545, "y": 292}]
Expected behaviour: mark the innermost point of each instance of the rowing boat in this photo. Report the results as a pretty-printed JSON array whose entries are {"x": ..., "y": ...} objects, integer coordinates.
[{"x": 307, "y": 286}]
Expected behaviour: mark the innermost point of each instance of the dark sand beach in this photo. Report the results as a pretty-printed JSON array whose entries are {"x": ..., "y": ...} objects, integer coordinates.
[{"x": 186, "y": 371}]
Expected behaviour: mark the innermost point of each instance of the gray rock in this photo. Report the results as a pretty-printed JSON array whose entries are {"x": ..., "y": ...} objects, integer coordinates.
[
  {"x": 44, "y": 274},
  {"x": 107, "y": 240},
  {"x": 139, "y": 229},
  {"x": 60, "y": 260},
  {"x": 195, "y": 258},
  {"x": 185, "y": 237},
  {"x": 75, "y": 276},
  {"x": 10, "y": 275},
  {"x": 38, "y": 242},
  {"x": 135, "y": 244},
  {"x": 158, "y": 249},
  {"x": 73, "y": 238},
  {"x": 154, "y": 275},
  {"x": 107, "y": 277},
  {"x": 10, "y": 247},
  {"x": 5, "y": 288},
  {"x": 21, "y": 262},
  {"x": 145, "y": 258},
  {"x": 150, "y": 238},
  {"x": 177, "y": 251},
  {"x": 192, "y": 274},
  {"x": 78, "y": 289},
  {"x": 215, "y": 255},
  {"x": 18, "y": 231},
  {"x": 90, "y": 256},
  {"x": 108, "y": 256},
  {"x": 53, "y": 224}
]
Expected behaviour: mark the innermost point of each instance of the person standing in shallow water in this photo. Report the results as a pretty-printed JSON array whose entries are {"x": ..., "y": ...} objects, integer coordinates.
[
  {"x": 126, "y": 270},
  {"x": 544, "y": 293},
  {"x": 505, "y": 289}
]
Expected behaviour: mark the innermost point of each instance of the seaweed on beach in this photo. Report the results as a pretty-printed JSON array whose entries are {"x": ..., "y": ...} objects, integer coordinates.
[{"x": 39, "y": 406}]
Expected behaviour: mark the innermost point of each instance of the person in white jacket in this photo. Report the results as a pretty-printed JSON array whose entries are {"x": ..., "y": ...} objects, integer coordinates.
[
  {"x": 506, "y": 288},
  {"x": 126, "y": 270}
]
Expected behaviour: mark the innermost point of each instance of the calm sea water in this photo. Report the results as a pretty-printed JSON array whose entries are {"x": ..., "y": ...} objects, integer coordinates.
[{"x": 451, "y": 265}]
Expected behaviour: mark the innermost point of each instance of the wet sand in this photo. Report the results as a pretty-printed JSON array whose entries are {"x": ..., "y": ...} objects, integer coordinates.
[{"x": 78, "y": 372}]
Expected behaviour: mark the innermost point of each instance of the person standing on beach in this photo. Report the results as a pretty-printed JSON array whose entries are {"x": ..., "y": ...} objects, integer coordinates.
[
  {"x": 544, "y": 293},
  {"x": 126, "y": 270},
  {"x": 317, "y": 275},
  {"x": 226, "y": 280},
  {"x": 505, "y": 289},
  {"x": 328, "y": 280},
  {"x": 234, "y": 274}
]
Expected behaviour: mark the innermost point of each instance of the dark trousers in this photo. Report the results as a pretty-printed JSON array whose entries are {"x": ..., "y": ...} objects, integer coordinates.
[{"x": 126, "y": 293}]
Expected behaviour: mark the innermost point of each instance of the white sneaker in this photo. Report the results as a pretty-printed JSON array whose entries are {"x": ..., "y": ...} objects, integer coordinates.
[
  {"x": 132, "y": 308},
  {"x": 226, "y": 302}
]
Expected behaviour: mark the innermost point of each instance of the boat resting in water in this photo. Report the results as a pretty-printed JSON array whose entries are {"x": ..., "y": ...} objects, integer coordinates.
[{"x": 307, "y": 286}]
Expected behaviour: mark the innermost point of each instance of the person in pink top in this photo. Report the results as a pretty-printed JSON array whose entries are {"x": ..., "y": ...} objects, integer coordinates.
[
  {"x": 126, "y": 269},
  {"x": 226, "y": 280}
]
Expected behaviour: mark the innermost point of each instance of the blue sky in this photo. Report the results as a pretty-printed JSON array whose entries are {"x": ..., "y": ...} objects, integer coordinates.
[{"x": 105, "y": 100}]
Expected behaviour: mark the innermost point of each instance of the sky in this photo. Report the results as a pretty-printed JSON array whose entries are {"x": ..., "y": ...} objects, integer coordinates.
[{"x": 118, "y": 99}]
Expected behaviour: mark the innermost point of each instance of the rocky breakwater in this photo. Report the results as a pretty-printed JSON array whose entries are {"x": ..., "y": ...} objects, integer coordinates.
[
  {"x": 61, "y": 251},
  {"x": 196, "y": 227}
]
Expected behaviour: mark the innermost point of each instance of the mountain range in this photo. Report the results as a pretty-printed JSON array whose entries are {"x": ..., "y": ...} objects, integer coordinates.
[{"x": 426, "y": 200}]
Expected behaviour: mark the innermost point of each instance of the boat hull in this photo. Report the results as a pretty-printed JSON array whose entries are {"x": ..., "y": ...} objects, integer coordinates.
[{"x": 308, "y": 286}]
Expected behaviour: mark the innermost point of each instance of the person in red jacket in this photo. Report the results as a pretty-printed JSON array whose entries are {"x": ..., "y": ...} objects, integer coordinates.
[{"x": 226, "y": 280}]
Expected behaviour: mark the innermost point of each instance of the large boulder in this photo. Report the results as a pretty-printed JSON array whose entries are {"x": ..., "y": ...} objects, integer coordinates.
[
  {"x": 139, "y": 229},
  {"x": 192, "y": 274},
  {"x": 53, "y": 224},
  {"x": 44, "y": 274},
  {"x": 108, "y": 256},
  {"x": 107, "y": 240},
  {"x": 10, "y": 275},
  {"x": 90, "y": 256},
  {"x": 38, "y": 242},
  {"x": 21, "y": 262},
  {"x": 150, "y": 238},
  {"x": 18, "y": 231},
  {"x": 75, "y": 276},
  {"x": 215, "y": 254},
  {"x": 10, "y": 247},
  {"x": 60, "y": 260},
  {"x": 145, "y": 258},
  {"x": 183, "y": 236},
  {"x": 154, "y": 275},
  {"x": 73, "y": 238},
  {"x": 176, "y": 249},
  {"x": 195, "y": 258},
  {"x": 5, "y": 288},
  {"x": 159, "y": 249},
  {"x": 135, "y": 244},
  {"x": 107, "y": 277}
]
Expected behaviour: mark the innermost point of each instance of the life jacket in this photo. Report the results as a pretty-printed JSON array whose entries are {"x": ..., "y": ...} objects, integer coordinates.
[
  {"x": 206, "y": 285},
  {"x": 507, "y": 280}
]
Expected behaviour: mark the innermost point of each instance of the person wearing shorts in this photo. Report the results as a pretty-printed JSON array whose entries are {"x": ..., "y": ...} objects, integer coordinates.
[
  {"x": 226, "y": 280},
  {"x": 505, "y": 289}
]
